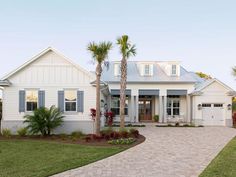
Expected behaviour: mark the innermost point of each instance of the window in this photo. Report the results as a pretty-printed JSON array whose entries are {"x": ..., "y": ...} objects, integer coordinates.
[
  {"x": 205, "y": 105},
  {"x": 174, "y": 69},
  {"x": 173, "y": 106},
  {"x": 117, "y": 69},
  {"x": 115, "y": 105},
  {"x": 218, "y": 105},
  {"x": 146, "y": 70},
  {"x": 31, "y": 100},
  {"x": 70, "y": 100}
]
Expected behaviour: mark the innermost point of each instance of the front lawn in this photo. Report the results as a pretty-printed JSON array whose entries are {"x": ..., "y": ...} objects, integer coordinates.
[
  {"x": 40, "y": 158},
  {"x": 224, "y": 165}
]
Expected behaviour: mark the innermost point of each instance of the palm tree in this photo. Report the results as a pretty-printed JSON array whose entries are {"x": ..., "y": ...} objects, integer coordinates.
[
  {"x": 234, "y": 71},
  {"x": 127, "y": 50},
  {"x": 99, "y": 54}
]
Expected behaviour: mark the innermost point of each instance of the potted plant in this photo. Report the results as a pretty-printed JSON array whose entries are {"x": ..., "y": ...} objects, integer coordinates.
[{"x": 156, "y": 118}]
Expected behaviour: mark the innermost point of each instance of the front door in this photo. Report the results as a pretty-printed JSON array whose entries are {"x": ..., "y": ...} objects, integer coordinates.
[{"x": 145, "y": 110}]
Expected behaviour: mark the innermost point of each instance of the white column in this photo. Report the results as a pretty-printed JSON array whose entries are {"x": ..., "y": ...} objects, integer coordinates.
[
  {"x": 160, "y": 109},
  {"x": 135, "y": 107},
  {"x": 164, "y": 110},
  {"x": 132, "y": 111},
  {"x": 188, "y": 103}
]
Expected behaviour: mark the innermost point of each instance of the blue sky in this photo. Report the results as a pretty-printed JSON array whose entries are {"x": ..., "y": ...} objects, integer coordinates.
[{"x": 201, "y": 34}]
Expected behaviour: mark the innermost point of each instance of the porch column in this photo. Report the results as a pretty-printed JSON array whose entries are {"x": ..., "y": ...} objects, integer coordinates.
[
  {"x": 132, "y": 107},
  {"x": 164, "y": 109},
  {"x": 188, "y": 103},
  {"x": 136, "y": 108},
  {"x": 160, "y": 109}
]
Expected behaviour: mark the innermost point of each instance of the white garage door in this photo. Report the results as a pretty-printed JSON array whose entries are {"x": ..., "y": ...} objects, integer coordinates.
[{"x": 212, "y": 114}]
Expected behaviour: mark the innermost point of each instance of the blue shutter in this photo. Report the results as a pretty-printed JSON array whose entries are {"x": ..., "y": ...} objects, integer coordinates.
[
  {"x": 22, "y": 101},
  {"x": 80, "y": 101},
  {"x": 61, "y": 100},
  {"x": 41, "y": 95}
]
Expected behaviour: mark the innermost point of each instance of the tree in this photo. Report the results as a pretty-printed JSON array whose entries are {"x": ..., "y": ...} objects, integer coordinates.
[
  {"x": 203, "y": 75},
  {"x": 126, "y": 50},
  {"x": 99, "y": 54},
  {"x": 44, "y": 120},
  {"x": 234, "y": 71}
]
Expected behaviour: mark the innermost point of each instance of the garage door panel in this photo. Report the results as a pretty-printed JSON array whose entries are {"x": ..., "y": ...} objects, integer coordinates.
[{"x": 212, "y": 114}]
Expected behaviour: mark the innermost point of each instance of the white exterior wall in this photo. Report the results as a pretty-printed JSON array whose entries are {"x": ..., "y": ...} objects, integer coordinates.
[
  {"x": 51, "y": 73},
  {"x": 214, "y": 93}
]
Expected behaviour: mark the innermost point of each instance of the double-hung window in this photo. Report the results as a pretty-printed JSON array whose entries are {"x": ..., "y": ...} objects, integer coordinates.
[
  {"x": 174, "y": 70},
  {"x": 31, "y": 100},
  {"x": 173, "y": 106},
  {"x": 70, "y": 100},
  {"x": 146, "y": 70},
  {"x": 115, "y": 105}
]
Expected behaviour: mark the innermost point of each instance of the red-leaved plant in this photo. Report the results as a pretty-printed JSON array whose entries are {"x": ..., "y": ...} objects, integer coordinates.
[
  {"x": 109, "y": 118},
  {"x": 93, "y": 113}
]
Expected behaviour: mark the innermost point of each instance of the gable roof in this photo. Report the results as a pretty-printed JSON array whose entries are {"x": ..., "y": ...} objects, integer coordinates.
[
  {"x": 205, "y": 84},
  {"x": 159, "y": 76},
  {"x": 38, "y": 56}
]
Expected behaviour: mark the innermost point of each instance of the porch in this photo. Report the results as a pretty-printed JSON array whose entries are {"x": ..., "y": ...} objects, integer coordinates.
[{"x": 174, "y": 106}]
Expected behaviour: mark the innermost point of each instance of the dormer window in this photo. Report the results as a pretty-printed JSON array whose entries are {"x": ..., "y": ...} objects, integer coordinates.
[
  {"x": 174, "y": 70},
  {"x": 146, "y": 70},
  {"x": 117, "y": 69}
]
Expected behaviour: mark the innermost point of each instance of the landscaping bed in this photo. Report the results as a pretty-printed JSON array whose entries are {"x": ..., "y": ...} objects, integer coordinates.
[{"x": 178, "y": 125}]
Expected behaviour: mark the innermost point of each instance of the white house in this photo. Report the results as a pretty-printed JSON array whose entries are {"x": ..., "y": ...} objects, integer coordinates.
[{"x": 153, "y": 88}]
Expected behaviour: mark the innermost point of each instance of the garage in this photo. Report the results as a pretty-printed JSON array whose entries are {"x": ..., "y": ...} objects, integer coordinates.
[{"x": 213, "y": 114}]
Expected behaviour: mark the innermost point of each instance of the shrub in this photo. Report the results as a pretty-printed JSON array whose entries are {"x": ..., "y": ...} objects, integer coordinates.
[
  {"x": 177, "y": 124},
  {"x": 156, "y": 118},
  {"x": 115, "y": 135},
  {"x": 106, "y": 133},
  {"x": 44, "y": 120},
  {"x": 124, "y": 133},
  {"x": 109, "y": 118},
  {"x": 77, "y": 134},
  {"x": 170, "y": 125},
  {"x": 63, "y": 136},
  {"x": 122, "y": 141},
  {"x": 22, "y": 131},
  {"x": 87, "y": 138},
  {"x": 6, "y": 132},
  {"x": 186, "y": 125},
  {"x": 133, "y": 132}
]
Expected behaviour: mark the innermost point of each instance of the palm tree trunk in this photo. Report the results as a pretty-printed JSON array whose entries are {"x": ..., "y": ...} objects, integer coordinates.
[
  {"x": 97, "y": 120},
  {"x": 122, "y": 91}
]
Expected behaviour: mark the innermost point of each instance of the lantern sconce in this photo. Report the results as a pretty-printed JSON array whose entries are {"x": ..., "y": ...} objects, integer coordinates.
[
  {"x": 199, "y": 106},
  {"x": 229, "y": 106}
]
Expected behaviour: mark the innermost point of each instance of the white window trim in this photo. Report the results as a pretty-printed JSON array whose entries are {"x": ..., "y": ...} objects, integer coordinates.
[
  {"x": 173, "y": 74},
  {"x": 172, "y": 107},
  {"x": 116, "y": 115},
  {"x": 29, "y": 89},
  {"x": 70, "y": 101},
  {"x": 148, "y": 66}
]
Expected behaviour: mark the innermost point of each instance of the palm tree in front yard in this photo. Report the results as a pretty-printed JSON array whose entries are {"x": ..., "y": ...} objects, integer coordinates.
[
  {"x": 99, "y": 54},
  {"x": 126, "y": 50},
  {"x": 234, "y": 71}
]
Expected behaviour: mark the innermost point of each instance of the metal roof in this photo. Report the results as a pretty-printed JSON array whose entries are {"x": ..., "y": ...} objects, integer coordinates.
[{"x": 159, "y": 75}]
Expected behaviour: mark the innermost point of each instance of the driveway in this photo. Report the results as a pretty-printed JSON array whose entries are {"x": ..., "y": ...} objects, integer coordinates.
[{"x": 167, "y": 152}]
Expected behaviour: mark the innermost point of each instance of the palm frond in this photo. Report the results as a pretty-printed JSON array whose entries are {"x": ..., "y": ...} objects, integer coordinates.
[{"x": 234, "y": 71}]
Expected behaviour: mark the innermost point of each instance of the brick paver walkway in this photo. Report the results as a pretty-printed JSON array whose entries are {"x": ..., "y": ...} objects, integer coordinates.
[{"x": 167, "y": 152}]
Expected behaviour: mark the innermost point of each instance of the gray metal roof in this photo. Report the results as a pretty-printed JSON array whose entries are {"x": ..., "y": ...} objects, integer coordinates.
[{"x": 159, "y": 75}]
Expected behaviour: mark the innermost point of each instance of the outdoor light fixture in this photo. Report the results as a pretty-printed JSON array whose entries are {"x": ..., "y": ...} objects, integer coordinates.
[
  {"x": 229, "y": 106},
  {"x": 199, "y": 106}
]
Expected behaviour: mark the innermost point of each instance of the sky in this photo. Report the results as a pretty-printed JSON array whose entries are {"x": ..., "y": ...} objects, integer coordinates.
[{"x": 201, "y": 34}]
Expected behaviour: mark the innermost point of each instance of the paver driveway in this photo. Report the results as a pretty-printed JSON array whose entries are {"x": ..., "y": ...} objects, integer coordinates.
[{"x": 167, "y": 152}]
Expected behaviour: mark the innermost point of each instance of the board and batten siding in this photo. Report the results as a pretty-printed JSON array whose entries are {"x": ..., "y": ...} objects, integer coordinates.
[{"x": 49, "y": 73}]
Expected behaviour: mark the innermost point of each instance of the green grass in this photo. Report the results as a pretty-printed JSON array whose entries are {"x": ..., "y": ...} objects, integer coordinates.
[
  {"x": 40, "y": 158},
  {"x": 224, "y": 165}
]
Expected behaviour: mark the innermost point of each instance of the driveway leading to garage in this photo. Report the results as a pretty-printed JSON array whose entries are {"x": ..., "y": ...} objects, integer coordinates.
[{"x": 167, "y": 152}]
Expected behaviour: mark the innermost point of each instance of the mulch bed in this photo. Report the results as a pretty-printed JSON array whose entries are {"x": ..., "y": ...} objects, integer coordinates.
[{"x": 70, "y": 140}]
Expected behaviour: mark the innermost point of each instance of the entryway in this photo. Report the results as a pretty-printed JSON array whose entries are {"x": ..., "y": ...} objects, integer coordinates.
[
  {"x": 145, "y": 109},
  {"x": 212, "y": 114}
]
